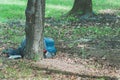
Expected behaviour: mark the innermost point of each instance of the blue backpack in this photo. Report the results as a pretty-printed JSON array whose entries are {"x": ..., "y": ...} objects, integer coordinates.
[{"x": 49, "y": 47}]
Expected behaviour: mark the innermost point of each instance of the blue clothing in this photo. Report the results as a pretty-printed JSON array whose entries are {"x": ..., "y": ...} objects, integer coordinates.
[{"x": 48, "y": 44}]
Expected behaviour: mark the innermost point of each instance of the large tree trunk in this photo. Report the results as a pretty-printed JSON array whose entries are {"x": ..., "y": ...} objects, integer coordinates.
[
  {"x": 81, "y": 7},
  {"x": 35, "y": 13}
]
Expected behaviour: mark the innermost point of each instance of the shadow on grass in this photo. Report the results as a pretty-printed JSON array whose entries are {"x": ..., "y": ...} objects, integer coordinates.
[{"x": 50, "y": 71}]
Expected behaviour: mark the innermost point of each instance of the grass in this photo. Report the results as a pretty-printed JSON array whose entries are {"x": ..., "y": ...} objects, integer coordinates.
[
  {"x": 11, "y": 34},
  {"x": 68, "y": 34},
  {"x": 105, "y": 4},
  {"x": 14, "y": 9},
  {"x": 19, "y": 69},
  {"x": 11, "y": 9}
]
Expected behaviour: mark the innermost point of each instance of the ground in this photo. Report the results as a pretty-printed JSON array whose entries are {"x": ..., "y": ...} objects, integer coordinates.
[{"x": 78, "y": 58}]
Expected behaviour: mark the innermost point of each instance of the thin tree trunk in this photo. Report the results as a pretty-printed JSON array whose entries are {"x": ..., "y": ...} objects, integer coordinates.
[{"x": 35, "y": 13}]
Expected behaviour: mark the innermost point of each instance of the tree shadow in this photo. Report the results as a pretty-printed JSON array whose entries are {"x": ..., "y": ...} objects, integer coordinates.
[
  {"x": 101, "y": 19},
  {"x": 50, "y": 71}
]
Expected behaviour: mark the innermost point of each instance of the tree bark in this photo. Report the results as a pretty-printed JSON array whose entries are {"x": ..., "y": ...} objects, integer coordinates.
[
  {"x": 35, "y": 13},
  {"x": 81, "y": 7}
]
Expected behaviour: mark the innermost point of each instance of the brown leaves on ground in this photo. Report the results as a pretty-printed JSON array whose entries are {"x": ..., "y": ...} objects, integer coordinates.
[{"x": 66, "y": 65}]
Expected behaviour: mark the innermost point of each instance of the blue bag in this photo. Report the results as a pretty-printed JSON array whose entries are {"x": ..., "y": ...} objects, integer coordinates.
[
  {"x": 48, "y": 44},
  {"x": 50, "y": 47}
]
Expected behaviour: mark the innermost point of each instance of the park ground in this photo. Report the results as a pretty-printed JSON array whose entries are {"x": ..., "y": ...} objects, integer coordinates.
[{"x": 86, "y": 49}]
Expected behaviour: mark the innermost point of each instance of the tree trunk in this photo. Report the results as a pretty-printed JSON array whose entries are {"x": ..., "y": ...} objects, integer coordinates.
[
  {"x": 35, "y": 13},
  {"x": 81, "y": 7}
]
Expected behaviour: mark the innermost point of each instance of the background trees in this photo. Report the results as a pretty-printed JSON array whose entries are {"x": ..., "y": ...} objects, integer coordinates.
[
  {"x": 34, "y": 29},
  {"x": 81, "y": 7}
]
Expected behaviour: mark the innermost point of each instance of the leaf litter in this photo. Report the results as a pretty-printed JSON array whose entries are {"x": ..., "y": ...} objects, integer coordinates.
[{"x": 70, "y": 59}]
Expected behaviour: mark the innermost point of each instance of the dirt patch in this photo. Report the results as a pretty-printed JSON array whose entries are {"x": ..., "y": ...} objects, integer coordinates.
[{"x": 78, "y": 68}]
